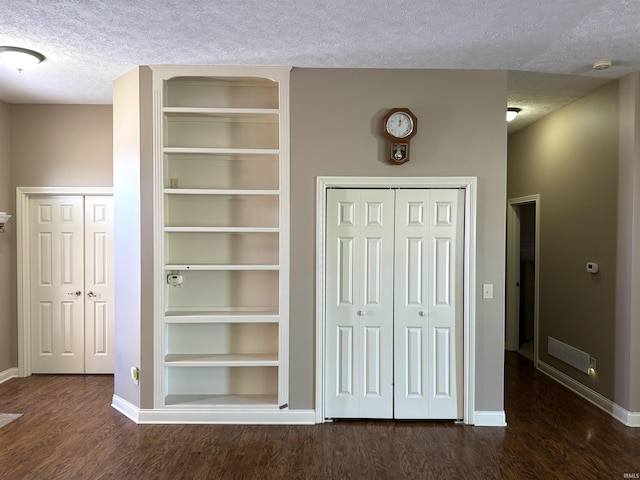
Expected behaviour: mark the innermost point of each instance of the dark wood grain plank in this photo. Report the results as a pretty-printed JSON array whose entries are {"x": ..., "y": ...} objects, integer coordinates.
[{"x": 70, "y": 431}]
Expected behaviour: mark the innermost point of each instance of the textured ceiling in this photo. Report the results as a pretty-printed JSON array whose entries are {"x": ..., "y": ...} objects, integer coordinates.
[{"x": 88, "y": 43}]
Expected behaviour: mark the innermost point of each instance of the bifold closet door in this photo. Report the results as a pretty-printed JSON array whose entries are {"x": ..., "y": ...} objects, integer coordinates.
[
  {"x": 428, "y": 312},
  {"x": 393, "y": 303},
  {"x": 359, "y": 304},
  {"x": 71, "y": 288}
]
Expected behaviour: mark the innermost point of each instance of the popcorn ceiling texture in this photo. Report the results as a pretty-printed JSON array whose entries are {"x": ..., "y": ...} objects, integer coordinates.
[{"x": 89, "y": 43}]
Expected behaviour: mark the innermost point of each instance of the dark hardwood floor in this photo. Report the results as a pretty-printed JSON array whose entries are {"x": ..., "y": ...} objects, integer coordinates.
[{"x": 70, "y": 431}]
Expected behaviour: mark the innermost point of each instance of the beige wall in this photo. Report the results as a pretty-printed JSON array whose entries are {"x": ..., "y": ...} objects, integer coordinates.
[
  {"x": 61, "y": 145},
  {"x": 627, "y": 361},
  {"x": 335, "y": 125},
  {"x": 45, "y": 145},
  {"x": 336, "y": 118},
  {"x": 570, "y": 158},
  {"x": 8, "y": 326},
  {"x": 133, "y": 228}
]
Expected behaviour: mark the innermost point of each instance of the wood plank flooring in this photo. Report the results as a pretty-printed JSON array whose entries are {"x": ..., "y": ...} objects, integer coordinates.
[{"x": 70, "y": 431}]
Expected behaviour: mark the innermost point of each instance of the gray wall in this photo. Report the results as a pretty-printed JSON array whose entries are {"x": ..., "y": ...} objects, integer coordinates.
[
  {"x": 45, "y": 145},
  {"x": 627, "y": 360},
  {"x": 8, "y": 326},
  {"x": 335, "y": 130},
  {"x": 570, "y": 158},
  {"x": 336, "y": 118},
  {"x": 61, "y": 145}
]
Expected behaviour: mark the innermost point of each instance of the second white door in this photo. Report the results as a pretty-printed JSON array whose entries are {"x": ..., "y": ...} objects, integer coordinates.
[
  {"x": 393, "y": 303},
  {"x": 71, "y": 287}
]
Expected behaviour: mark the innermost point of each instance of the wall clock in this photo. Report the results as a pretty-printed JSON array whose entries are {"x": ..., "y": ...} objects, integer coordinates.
[{"x": 399, "y": 126}]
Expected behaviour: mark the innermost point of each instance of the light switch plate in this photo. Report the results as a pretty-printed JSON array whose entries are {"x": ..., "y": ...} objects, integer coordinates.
[{"x": 487, "y": 290}]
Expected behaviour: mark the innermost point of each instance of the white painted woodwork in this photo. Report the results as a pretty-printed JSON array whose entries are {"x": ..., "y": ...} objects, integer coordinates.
[
  {"x": 71, "y": 254},
  {"x": 222, "y": 193},
  {"x": 56, "y": 246},
  {"x": 427, "y": 315},
  {"x": 99, "y": 289},
  {"x": 419, "y": 268},
  {"x": 359, "y": 335}
]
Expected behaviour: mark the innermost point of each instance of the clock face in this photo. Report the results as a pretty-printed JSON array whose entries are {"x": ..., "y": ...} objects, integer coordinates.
[{"x": 399, "y": 125}]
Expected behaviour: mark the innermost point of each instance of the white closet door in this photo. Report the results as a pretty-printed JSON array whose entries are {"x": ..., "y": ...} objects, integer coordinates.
[
  {"x": 359, "y": 301},
  {"x": 57, "y": 283},
  {"x": 99, "y": 319},
  {"x": 428, "y": 313}
]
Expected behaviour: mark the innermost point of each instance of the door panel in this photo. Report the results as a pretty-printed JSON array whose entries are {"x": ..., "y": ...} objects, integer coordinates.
[
  {"x": 445, "y": 308},
  {"x": 71, "y": 291},
  {"x": 99, "y": 321},
  {"x": 359, "y": 304},
  {"x": 394, "y": 285},
  {"x": 56, "y": 273},
  {"x": 426, "y": 272}
]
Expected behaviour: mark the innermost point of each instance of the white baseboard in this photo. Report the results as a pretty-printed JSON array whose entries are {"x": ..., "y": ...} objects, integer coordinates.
[
  {"x": 8, "y": 374},
  {"x": 630, "y": 419},
  {"x": 490, "y": 419},
  {"x": 213, "y": 415},
  {"x": 128, "y": 409}
]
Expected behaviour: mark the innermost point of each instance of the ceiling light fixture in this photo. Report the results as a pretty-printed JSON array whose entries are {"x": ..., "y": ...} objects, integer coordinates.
[
  {"x": 20, "y": 58},
  {"x": 602, "y": 65},
  {"x": 512, "y": 113}
]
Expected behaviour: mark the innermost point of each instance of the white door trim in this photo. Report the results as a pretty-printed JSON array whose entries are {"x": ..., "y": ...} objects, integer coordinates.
[
  {"x": 469, "y": 184},
  {"x": 23, "y": 195},
  {"x": 513, "y": 271}
]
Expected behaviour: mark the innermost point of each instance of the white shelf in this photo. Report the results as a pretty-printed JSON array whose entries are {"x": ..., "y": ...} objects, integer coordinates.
[
  {"x": 240, "y": 316},
  {"x": 221, "y": 267},
  {"x": 222, "y": 144},
  {"x": 212, "y": 191},
  {"x": 223, "y": 229},
  {"x": 222, "y": 151},
  {"x": 221, "y": 360},
  {"x": 228, "y": 401},
  {"x": 241, "y": 113}
]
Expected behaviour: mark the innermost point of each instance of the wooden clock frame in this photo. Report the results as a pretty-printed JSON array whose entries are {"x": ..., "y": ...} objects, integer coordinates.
[{"x": 395, "y": 144}]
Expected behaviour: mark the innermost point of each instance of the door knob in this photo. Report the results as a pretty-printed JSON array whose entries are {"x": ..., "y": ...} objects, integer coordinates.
[
  {"x": 77, "y": 293},
  {"x": 90, "y": 294},
  {"x": 361, "y": 313},
  {"x": 422, "y": 314}
]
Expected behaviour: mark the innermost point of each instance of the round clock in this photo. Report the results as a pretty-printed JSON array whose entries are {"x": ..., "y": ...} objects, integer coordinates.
[{"x": 399, "y": 126}]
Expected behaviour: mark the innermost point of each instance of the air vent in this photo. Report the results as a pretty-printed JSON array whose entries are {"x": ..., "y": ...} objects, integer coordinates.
[{"x": 569, "y": 355}]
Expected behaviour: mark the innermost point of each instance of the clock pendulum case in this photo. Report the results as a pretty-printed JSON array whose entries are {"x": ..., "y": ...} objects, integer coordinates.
[{"x": 399, "y": 126}]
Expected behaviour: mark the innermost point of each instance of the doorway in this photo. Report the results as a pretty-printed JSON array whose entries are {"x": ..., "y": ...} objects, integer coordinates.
[
  {"x": 468, "y": 188},
  {"x": 522, "y": 276},
  {"x": 65, "y": 286}
]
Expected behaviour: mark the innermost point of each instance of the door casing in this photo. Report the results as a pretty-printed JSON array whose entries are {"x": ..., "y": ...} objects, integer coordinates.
[
  {"x": 23, "y": 195},
  {"x": 513, "y": 274},
  {"x": 469, "y": 184}
]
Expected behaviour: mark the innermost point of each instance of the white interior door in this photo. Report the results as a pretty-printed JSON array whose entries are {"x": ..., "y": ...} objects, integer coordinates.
[
  {"x": 359, "y": 328},
  {"x": 57, "y": 282},
  {"x": 420, "y": 274},
  {"x": 71, "y": 332},
  {"x": 99, "y": 319},
  {"x": 428, "y": 313}
]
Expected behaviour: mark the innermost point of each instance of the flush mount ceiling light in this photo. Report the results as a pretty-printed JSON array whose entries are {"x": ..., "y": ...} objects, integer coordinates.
[
  {"x": 20, "y": 58},
  {"x": 512, "y": 113},
  {"x": 602, "y": 64}
]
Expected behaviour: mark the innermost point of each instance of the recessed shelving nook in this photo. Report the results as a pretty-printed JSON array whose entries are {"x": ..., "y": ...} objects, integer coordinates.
[{"x": 221, "y": 153}]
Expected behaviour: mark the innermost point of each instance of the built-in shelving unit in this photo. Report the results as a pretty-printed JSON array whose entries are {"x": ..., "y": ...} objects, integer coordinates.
[{"x": 222, "y": 158}]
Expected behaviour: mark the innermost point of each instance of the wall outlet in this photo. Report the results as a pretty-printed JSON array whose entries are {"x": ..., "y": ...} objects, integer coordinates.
[{"x": 135, "y": 375}]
